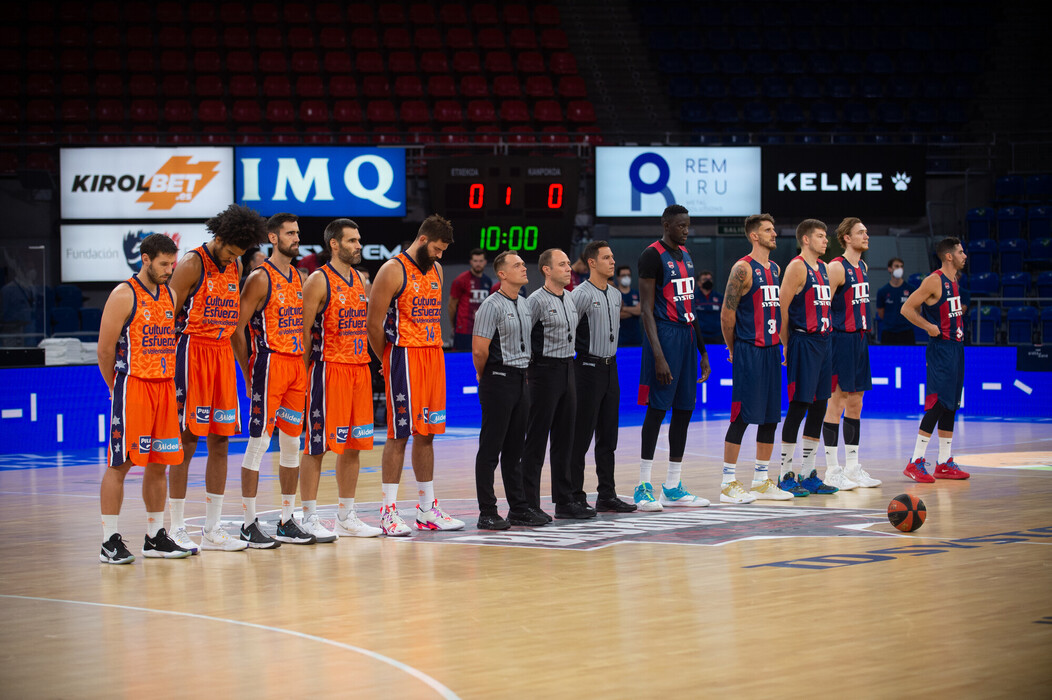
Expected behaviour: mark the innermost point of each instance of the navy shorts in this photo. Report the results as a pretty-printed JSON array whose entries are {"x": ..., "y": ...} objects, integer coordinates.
[
  {"x": 681, "y": 353},
  {"x": 851, "y": 362},
  {"x": 809, "y": 367},
  {"x": 756, "y": 395},
  {"x": 945, "y": 381}
]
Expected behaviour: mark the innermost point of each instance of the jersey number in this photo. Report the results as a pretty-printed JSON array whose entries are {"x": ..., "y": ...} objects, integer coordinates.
[
  {"x": 772, "y": 326},
  {"x": 825, "y": 324},
  {"x": 430, "y": 332},
  {"x": 296, "y": 345}
]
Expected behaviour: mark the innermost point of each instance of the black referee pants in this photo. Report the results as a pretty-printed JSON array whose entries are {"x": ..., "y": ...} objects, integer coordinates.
[
  {"x": 598, "y": 396},
  {"x": 505, "y": 406},
  {"x": 553, "y": 408}
]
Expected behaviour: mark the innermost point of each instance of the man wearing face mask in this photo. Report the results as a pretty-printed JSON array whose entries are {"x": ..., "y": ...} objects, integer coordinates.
[
  {"x": 630, "y": 335},
  {"x": 707, "y": 305},
  {"x": 894, "y": 328}
]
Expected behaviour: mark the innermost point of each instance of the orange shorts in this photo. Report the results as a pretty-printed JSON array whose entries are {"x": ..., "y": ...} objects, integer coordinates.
[
  {"x": 144, "y": 424},
  {"x": 339, "y": 408},
  {"x": 206, "y": 386},
  {"x": 279, "y": 393},
  {"x": 415, "y": 381}
]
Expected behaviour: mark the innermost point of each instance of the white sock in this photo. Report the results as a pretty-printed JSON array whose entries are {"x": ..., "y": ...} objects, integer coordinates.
[
  {"x": 309, "y": 508},
  {"x": 944, "y": 449},
  {"x": 788, "y": 451},
  {"x": 177, "y": 506},
  {"x": 390, "y": 494},
  {"x": 809, "y": 450},
  {"x": 425, "y": 491},
  {"x": 851, "y": 456},
  {"x": 344, "y": 508},
  {"x": 154, "y": 522},
  {"x": 109, "y": 526},
  {"x": 213, "y": 510},
  {"x": 832, "y": 461},
  {"x": 248, "y": 509},
  {"x": 918, "y": 449},
  {"x": 645, "y": 467},
  {"x": 760, "y": 475},
  {"x": 675, "y": 471},
  {"x": 728, "y": 474},
  {"x": 288, "y": 505}
]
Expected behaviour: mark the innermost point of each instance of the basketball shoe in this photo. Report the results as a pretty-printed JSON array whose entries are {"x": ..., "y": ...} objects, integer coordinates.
[
  {"x": 918, "y": 471},
  {"x": 734, "y": 492},
  {"x": 434, "y": 518},
  {"x": 115, "y": 552},
  {"x": 838, "y": 478},
  {"x": 680, "y": 497},
  {"x": 392, "y": 524},
  {"x": 182, "y": 538},
  {"x": 815, "y": 485},
  {"x": 255, "y": 538},
  {"x": 767, "y": 490},
  {"x": 861, "y": 477},
  {"x": 218, "y": 539},
  {"x": 312, "y": 526},
  {"x": 354, "y": 527},
  {"x": 644, "y": 498},
  {"x": 290, "y": 532},
  {"x": 949, "y": 470},
  {"x": 790, "y": 484},
  {"x": 161, "y": 546}
]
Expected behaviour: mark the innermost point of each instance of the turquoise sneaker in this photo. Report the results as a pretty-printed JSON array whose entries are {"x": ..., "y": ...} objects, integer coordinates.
[
  {"x": 644, "y": 498},
  {"x": 680, "y": 497}
]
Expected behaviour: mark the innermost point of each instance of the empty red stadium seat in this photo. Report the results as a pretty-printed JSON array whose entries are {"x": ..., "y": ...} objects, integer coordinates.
[
  {"x": 380, "y": 112},
  {"x": 453, "y": 14},
  {"x": 246, "y": 112},
  {"x": 491, "y": 38},
  {"x": 272, "y": 62},
  {"x": 333, "y": 38},
  {"x": 143, "y": 111},
  {"x": 171, "y": 38},
  {"x": 427, "y": 39},
  {"x": 516, "y": 14},
  {"x": 466, "y": 62},
  {"x": 397, "y": 38},
  {"x": 441, "y": 86},
  {"x": 484, "y": 13},
  {"x": 474, "y": 86},
  {"x": 481, "y": 111},
  {"x": 301, "y": 38},
  {"x": 175, "y": 85},
  {"x": 376, "y": 86},
  {"x": 448, "y": 112},
  {"x": 434, "y": 62},
  {"x": 280, "y": 111},
  {"x": 343, "y": 86},
  {"x": 530, "y": 62},
  {"x": 563, "y": 63},
  {"x": 142, "y": 85},
  {"x": 539, "y": 86},
  {"x": 414, "y": 112},
  {"x": 236, "y": 37},
  {"x": 572, "y": 86},
  {"x": 173, "y": 61},
  {"x": 548, "y": 112},
  {"x": 555, "y": 134},
  {"x": 580, "y": 112},
  {"x": 360, "y": 13},
  {"x": 554, "y": 39},
  {"x": 408, "y": 86},
  {"x": 243, "y": 86},
  {"x": 337, "y": 62},
  {"x": 208, "y": 86},
  {"x": 305, "y": 62},
  {"x": 240, "y": 62},
  {"x": 507, "y": 86},
  {"x": 546, "y": 15},
  {"x": 275, "y": 86},
  {"x": 401, "y": 62},
  {"x": 390, "y": 13},
  {"x": 522, "y": 39},
  {"x": 297, "y": 13},
  {"x": 203, "y": 38},
  {"x": 521, "y": 134},
  {"x": 369, "y": 62},
  {"x": 265, "y": 13},
  {"x": 178, "y": 111},
  {"x": 364, "y": 38},
  {"x": 310, "y": 86},
  {"x": 422, "y": 13},
  {"x": 75, "y": 110},
  {"x": 347, "y": 112},
  {"x": 498, "y": 62},
  {"x": 514, "y": 111},
  {"x": 198, "y": 12},
  {"x": 109, "y": 85},
  {"x": 329, "y": 13},
  {"x": 211, "y": 111},
  {"x": 314, "y": 111},
  {"x": 460, "y": 38},
  {"x": 73, "y": 85}
]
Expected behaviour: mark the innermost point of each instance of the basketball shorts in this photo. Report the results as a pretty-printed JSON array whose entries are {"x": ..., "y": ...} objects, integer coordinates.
[
  {"x": 945, "y": 373},
  {"x": 144, "y": 422},
  {"x": 415, "y": 381},
  {"x": 851, "y": 362},
  {"x": 206, "y": 386},
  {"x": 279, "y": 393},
  {"x": 681, "y": 352},
  {"x": 756, "y": 393},
  {"x": 339, "y": 408},
  {"x": 809, "y": 367}
]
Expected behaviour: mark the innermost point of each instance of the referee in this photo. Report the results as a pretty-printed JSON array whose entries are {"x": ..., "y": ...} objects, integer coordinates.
[
  {"x": 598, "y": 393},
  {"x": 501, "y": 355},
  {"x": 553, "y": 395}
]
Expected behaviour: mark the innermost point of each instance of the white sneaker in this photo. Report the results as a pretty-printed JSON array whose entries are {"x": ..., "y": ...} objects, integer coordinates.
[
  {"x": 312, "y": 526},
  {"x": 434, "y": 518},
  {"x": 182, "y": 538},
  {"x": 392, "y": 524},
  {"x": 768, "y": 491},
  {"x": 734, "y": 492},
  {"x": 354, "y": 527},
  {"x": 837, "y": 477},
  {"x": 861, "y": 477},
  {"x": 218, "y": 539}
]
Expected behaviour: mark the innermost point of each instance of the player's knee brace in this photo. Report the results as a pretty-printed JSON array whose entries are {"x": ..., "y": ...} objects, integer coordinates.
[
  {"x": 852, "y": 430},
  {"x": 930, "y": 418},
  {"x": 736, "y": 431},
  {"x": 254, "y": 451},
  {"x": 765, "y": 433},
  {"x": 946, "y": 419},
  {"x": 288, "y": 450}
]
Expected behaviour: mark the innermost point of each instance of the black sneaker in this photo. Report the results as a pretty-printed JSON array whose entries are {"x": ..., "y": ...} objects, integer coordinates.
[
  {"x": 161, "y": 546},
  {"x": 290, "y": 532},
  {"x": 114, "y": 551},
  {"x": 256, "y": 538},
  {"x": 614, "y": 505},
  {"x": 540, "y": 512},
  {"x": 527, "y": 518},
  {"x": 575, "y": 511},
  {"x": 492, "y": 522}
]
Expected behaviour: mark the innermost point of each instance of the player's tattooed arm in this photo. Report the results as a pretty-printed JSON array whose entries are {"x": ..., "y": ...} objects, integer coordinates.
[{"x": 737, "y": 285}]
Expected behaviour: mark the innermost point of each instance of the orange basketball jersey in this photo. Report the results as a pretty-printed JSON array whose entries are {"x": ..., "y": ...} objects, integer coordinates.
[
  {"x": 339, "y": 333},
  {"x": 146, "y": 346},
  {"x": 212, "y": 309},
  {"x": 414, "y": 319},
  {"x": 278, "y": 326}
]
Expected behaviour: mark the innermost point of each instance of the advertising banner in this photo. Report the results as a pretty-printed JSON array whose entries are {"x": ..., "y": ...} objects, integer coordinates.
[{"x": 110, "y": 252}]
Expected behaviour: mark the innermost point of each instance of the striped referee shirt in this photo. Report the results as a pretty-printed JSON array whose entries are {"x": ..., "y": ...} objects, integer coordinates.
[
  {"x": 507, "y": 323},
  {"x": 554, "y": 321},
  {"x": 600, "y": 319}
]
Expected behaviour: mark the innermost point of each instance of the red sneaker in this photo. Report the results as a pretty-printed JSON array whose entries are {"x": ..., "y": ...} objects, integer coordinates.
[
  {"x": 950, "y": 470},
  {"x": 918, "y": 471}
]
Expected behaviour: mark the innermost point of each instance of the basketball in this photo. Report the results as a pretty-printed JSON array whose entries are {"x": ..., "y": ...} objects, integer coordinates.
[{"x": 907, "y": 512}]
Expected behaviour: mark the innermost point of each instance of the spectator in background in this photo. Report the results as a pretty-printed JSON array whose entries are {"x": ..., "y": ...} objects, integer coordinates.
[
  {"x": 707, "y": 303},
  {"x": 894, "y": 328},
  {"x": 364, "y": 275},
  {"x": 469, "y": 290},
  {"x": 578, "y": 272},
  {"x": 630, "y": 334}
]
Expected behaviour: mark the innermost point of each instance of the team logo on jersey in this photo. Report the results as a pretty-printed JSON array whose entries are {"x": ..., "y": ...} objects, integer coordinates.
[
  {"x": 361, "y": 297},
  {"x": 343, "y": 299},
  {"x": 362, "y": 431},
  {"x": 203, "y": 413},
  {"x": 169, "y": 445},
  {"x": 299, "y": 295},
  {"x": 434, "y": 417},
  {"x": 416, "y": 287},
  {"x": 145, "y": 443},
  {"x": 434, "y": 285},
  {"x": 224, "y": 416},
  {"x": 168, "y": 314},
  {"x": 146, "y": 314},
  {"x": 230, "y": 287},
  {"x": 671, "y": 265},
  {"x": 281, "y": 298},
  {"x": 341, "y": 434},
  {"x": 770, "y": 295},
  {"x": 290, "y": 416},
  {"x": 209, "y": 283},
  {"x": 552, "y": 312}
]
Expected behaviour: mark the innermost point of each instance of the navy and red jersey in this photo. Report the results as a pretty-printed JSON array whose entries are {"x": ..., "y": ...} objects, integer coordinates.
[
  {"x": 809, "y": 309},
  {"x": 759, "y": 315},
  {"x": 851, "y": 301},
  {"x": 947, "y": 313},
  {"x": 673, "y": 275}
]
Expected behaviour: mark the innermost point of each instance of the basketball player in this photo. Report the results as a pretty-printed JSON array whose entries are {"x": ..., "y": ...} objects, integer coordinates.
[
  {"x": 206, "y": 284},
  {"x": 806, "y": 325},
  {"x": 500, "y": 351},
  {"x": 751, "y": 320},
  {"x": 404, "y": 322},
  {"x": 553, "y": 391},
  {"x": 276, "y": 382},
  {"x": 339, "y": 393},
  {"x": 667, "y": 374},
  {"x": 137, "y": 361},
  {"x": 849, "y": 283},
  {"x": 936, "y": 307}
]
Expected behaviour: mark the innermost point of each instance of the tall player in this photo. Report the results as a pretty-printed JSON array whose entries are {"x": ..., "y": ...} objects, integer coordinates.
[
  {"x": 667, "y": 373},
  {"x": 849, "y": 283},
  {"x": 272, "y": 308},
  {"x": 404, "y": 321},
  {"x": 205, "y": 284},
  {"x": 339, "y": 389},
  {"x": 805, "y": 300},
  {"x": 936, "y": 308},
  {"x": 137, "y": 360}
]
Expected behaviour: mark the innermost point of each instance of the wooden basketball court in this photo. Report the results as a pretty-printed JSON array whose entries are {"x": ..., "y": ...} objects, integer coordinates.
[{"x": 819, "y": 597}]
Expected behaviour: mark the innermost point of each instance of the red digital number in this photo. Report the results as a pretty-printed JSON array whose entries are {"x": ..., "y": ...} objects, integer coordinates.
[
  {"x": 555, "y": 196},
  {"x": 476, "y": 195}
]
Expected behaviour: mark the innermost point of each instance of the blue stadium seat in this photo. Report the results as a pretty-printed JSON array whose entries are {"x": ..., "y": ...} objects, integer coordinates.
[
  {"x": 774, "y": 87},
  {"x": 981, "y": 255},
  {"x": 806, "y": 88},
  {"x": 1022, "y": 322},
  {"x": 757, "y": 113},
  {"x": 1038, "y": 222},
  {"x": 1046, "y": 324},
  {"x": 671, "y": 63},
  {"x": 989, "y": 323},
  {"x": 980, "y": 223},
  {"x": 682, "y": 87},
  {"x": 1008, "y": 189},
  {"x": 712, "y": 88},
  {"x": 1010, "y": 222},
  {"x": 63, "y": 320},
  {"x": 1041, "y": 251},
  {"x": 824, "y": 113},
  {"x": 69, "y": 296},
  {"x": 1044, "y": 288},
  {"x": 791, "y": 113},
  {"x": 694, "y": 113},
  {"x": 90, "y": 320},
  {"x": 725, "y": 113},
  {"x": 1038, "y": 188},
  {"x": 1012, "y": 251},
  {"x": 1015, "y": 284},
  {"x": 743, "y": 87},
  {"x": 915, "y": 279},
  {"x": 986, "y": 284}
]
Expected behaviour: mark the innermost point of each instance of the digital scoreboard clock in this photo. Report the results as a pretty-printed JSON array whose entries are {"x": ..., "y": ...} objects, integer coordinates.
[{"x": 500, "y": 203}]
